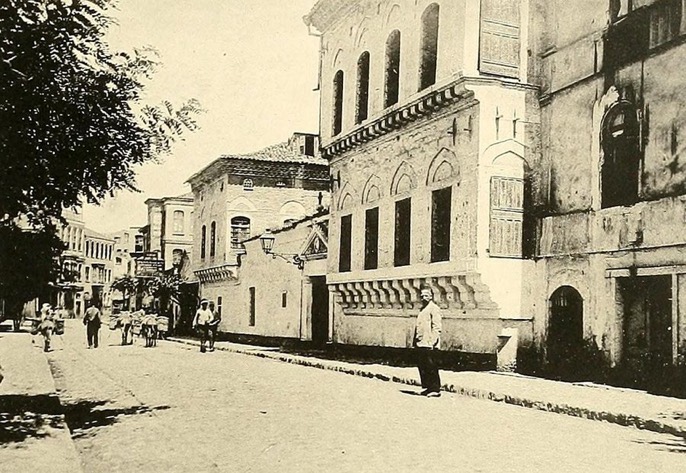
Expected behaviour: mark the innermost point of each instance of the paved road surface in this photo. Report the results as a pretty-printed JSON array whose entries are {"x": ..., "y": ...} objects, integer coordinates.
[{"x": 173, "y": 409}]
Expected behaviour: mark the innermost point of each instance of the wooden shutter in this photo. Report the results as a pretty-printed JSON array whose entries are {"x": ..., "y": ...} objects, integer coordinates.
[
  {"x": 499, "y": 43},
  {"x": 507, "y": 212}
]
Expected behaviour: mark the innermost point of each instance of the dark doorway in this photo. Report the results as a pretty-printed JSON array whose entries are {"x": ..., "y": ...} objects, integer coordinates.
[
  {"x": 320, "y": 310},
  {"x": 188, "y": 302},
  {"x": 647, "y": 326},
  {"x": 566, "y": 333}
]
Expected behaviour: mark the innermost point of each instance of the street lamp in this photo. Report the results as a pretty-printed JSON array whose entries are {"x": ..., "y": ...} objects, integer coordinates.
[{"x": 267, "y": 243}]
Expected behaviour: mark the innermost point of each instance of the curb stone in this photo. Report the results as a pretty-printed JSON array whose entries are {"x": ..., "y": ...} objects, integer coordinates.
[{"x": 623, "y": 419}]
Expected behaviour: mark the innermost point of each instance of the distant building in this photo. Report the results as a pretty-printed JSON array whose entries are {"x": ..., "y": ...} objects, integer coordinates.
[
  {"x": 126, "y": 243},
  {"x": 98, "y": 267},
  {"x": 70, "y": 285},
  {"x": 170, "y": 228},
  {"x": 238, "y": 196},
  {"x": 283, "y": 296}
]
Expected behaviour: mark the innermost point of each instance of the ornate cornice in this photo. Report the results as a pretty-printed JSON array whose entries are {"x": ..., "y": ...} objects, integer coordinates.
[
  {"x": 396, "y": 118},
  {"x": 224, "y": 272}
]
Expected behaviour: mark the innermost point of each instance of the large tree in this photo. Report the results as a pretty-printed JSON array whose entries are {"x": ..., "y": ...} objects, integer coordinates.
[
  {"x": 73, "y": 125},
  {"x": 28, "y": 265}
]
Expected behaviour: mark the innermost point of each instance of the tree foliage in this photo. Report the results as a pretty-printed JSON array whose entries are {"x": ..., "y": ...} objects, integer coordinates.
[
  {"x": 28, "y": 264},
  {"x": 73, "y": 122}
]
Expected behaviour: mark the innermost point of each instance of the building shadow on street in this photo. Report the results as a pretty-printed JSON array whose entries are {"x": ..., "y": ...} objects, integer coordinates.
[
  {"x": 670, "y": 444},
  {"x": 367, "y": 355},
  {"x": 82, "y": 416},
  {"x": 27, "y": 416}
]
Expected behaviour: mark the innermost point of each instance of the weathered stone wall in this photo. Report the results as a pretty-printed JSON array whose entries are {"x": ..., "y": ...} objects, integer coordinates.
[
  {"x": 271, "y": 278},
  {"x": 266, "y": 207}
]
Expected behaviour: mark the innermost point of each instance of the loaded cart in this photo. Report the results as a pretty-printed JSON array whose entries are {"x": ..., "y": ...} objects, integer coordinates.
[{"x": 162, "y": 326}]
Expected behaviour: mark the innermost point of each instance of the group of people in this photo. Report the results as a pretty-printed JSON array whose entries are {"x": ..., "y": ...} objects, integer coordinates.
[{"x": 206, "y": 323}]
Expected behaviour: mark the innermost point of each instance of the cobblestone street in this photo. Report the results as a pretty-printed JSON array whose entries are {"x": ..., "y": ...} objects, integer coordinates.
[{"x": 171, "y": 408}]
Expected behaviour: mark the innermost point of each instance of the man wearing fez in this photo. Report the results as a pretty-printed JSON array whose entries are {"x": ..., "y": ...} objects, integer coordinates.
[{"x": 427, "y": 341}]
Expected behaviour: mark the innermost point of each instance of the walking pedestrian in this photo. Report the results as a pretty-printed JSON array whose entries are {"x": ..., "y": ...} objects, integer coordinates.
[
  {"x": 214, "y": 325},
  {"x": 427, "y": 341},
  {"x": 92, "y": 322},
  {"x": 47, "y": 325},
  {"x": 125, "y": 325},
  {"x": 201, "y": 321}
]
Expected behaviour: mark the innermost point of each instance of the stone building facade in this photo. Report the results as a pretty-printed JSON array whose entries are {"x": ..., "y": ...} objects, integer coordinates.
[
  {"x": 610, "y": 201},
  {"x": 69, "y": 288},
  {"x": 428, "y": 121},
  {"x": 274, "y": 296},
  {"x": 97, "y": 276},
  {"x": 170, "y": 228},
  {"x": 240, "y": 196}
]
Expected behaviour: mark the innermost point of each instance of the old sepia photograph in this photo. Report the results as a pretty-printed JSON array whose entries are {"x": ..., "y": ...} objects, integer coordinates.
[{"x": 364, "y": 236}]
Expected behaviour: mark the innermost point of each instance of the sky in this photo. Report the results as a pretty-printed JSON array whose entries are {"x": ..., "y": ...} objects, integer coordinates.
[{"x": 251, "y": 64}]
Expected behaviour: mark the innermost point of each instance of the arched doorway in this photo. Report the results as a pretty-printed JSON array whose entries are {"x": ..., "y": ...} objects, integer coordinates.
[{"x": 565, "y": 332}]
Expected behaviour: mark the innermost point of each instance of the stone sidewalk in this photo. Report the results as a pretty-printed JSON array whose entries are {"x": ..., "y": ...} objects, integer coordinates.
[
  {"x": 33, "y": 432},
  {"x": 591, "y": 401}
]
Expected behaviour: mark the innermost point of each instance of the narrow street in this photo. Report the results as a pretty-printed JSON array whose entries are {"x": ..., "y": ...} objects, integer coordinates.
[{"x": 173, "y": 409}]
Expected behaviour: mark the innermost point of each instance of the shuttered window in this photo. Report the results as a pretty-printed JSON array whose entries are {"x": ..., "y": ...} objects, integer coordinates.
[
  {"x": 507, "y": 211},
  {"x": 499, "y": 43},
  {"x": 403, "y": 225},
  {"x": 337, "y": 103},
  {"x": 371, "y": 239},
  {"x": 665, "y": 22},
  {"x": 345, "y": 244},
  {"x": 441, "y": 203}
]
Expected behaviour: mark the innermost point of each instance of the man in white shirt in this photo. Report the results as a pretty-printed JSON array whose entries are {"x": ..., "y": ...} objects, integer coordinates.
[
  {"x": 427, "y": 340},
  {"x": 201, "y": 323}
]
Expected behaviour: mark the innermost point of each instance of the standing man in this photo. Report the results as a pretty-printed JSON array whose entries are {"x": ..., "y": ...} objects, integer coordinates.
[
  {"x": 427, "y": 341},
  {"x": 201, "y": 323},
  {"x": 214, "y": 325},
  {"x": 92, "y": 322}
]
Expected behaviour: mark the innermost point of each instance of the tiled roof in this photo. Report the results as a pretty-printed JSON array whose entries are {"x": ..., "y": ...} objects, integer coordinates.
[{"x": 281, "y": 153}]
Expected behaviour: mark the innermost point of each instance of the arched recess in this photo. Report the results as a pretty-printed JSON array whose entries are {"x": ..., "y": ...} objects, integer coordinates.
[
  {"x": 346, "y": 197},
  {"x": 404, "y": 179},
  {"x": 443, "y": 167},
  {"x": 242, "y": 204},
  {"x": 337, "y": 59},
  {"x": 372, "y": 190},
  {"x": 292, "y": 210},
  {"x": 362, "y": 32},
  {"x": 510, "y": 228},
  {"x": 565, "y": 331},
  {"x": 393, "y": 15}
]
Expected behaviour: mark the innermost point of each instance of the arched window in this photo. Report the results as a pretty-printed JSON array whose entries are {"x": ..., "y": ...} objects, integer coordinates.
[
  {"x": 362, "y": 105},
  {"x": 248, "y": 184},
  {"x": 337, "y": 103},
  {"x": 429, "y": 47},
  {"x": 178, "y": 221},
  {"x": 240, "y": 230},
  {"x": 213, "y": 238},
  {"x": 621, "y": 156},
  {"x": 392, "y": 81},
  {"x": 203, "y": 241}
]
